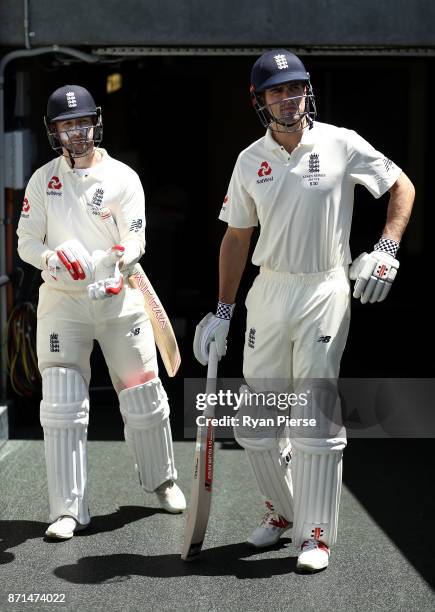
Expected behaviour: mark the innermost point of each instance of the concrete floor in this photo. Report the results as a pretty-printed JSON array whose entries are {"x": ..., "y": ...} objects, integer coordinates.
[{"x": 129, "y": 558}]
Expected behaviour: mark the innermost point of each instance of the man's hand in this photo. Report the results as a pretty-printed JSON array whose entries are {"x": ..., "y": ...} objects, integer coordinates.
[
  {"x": 113, "y": 256},
  {"x": 374, "y": 274},
  {"x": 107, "y": 287},
  {"x": 70, "y": 261},
  {"x": 210, "y": 328}
]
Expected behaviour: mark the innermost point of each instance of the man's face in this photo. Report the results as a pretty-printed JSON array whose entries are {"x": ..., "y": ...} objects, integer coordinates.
[
  {"x": 76, "y": 134},
  {"x": 286, "y": 102}
]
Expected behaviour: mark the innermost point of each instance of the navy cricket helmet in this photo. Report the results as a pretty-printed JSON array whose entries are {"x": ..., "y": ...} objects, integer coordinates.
[
  {"x": 73, "y": 102},
  {"x": 275, "y": 68}
]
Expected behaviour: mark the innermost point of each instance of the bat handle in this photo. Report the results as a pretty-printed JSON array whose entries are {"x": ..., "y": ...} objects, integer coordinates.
[{"x": 213, "y": 361}]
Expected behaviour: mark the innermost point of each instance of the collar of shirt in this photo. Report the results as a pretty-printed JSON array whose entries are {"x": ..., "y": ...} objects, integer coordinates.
[
  {"x": 308, "y": 139},
  {"x": 94, "y": 172}
]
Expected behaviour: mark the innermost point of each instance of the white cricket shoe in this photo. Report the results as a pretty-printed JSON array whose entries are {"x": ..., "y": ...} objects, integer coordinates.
[
  {"x": 270, "y": 529},
  {"x": 63, "y": 528},
  {"x": 171, "y": 497},
  {"x": 314, "y": 556}
]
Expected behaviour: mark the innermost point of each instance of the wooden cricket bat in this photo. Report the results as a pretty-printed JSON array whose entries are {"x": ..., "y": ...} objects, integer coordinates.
[
  {"x": 198, "y": 510},
  {"x": 163, "y": 333}
]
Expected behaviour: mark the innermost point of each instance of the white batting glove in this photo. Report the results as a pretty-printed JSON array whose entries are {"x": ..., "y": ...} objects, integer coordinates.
[
  {"x": 213, "y": 327},
  {"x": 109, "y": 279},
  {"x": 112, "y": 256},
  {"x": 107, "y": 287},
  {"x": 71, "y": 261},
  {"x": 374, "y": 274}
]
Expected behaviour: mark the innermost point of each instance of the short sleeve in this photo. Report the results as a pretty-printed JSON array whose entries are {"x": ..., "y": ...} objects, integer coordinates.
[
  {"x": 369, "y": 167},
  {"x": 238, "y": 209}
]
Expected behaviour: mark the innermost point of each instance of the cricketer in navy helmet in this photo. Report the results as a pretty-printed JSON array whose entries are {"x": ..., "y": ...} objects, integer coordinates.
[
  {"x": 83, "y": 225},
  {"x": 297, "y": 182}
]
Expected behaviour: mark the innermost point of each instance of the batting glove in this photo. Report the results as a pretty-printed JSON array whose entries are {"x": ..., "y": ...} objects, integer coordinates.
[
  {"x": 70, "y": 260},
  {"x": 107, "y": 287},
  {"x": 375, "y": 272},
  {"x": 110, "y": 280},
  {"x": 213, "y": 327}
]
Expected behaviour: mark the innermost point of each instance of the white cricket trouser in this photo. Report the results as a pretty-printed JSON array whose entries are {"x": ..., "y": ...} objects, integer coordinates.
[
  {"x": 69, "y": 322},
  {"x": 297, "y": 326}
]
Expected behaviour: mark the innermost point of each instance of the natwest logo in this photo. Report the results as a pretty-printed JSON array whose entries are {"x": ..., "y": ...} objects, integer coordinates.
[
  {"x": 264, "y": 169},
  {"x": 26, "y": 206},
  {"x": 54, "y": 183}
]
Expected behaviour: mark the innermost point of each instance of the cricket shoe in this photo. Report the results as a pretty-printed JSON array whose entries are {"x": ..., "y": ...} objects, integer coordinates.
[
  {"x": 270, "y": 529},
  {"x": 314, "y": 556},
  {"x": 63, "y": 528},
  {"x": 171, "y": 497}
]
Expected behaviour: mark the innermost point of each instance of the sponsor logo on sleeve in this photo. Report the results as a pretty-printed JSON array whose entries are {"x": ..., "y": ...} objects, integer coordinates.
[
  {"x": 25, "y": 209},
  {"x": 225, "y": 204},
  {"x": 387, "y": 163},
  {"x": 136, "y": 225}
]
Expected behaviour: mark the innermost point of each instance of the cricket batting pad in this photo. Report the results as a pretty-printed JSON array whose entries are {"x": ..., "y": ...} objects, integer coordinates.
[
  {"x": 147, "y": 431},
  {"x": 64, "y": 417},
  {"x": 317, "y": 464},
  {"x": 317, "y": 473}
]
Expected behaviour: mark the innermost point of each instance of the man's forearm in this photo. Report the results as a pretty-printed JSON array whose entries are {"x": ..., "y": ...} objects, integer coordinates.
[
  {"x": 232, "y": 261},
  {"x": 399, "y": 208}
]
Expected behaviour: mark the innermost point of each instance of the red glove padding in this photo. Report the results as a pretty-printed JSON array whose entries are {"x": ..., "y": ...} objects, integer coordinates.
[
  {"x": 72, "y": 257},
  {"x": 107, "y": 287}
]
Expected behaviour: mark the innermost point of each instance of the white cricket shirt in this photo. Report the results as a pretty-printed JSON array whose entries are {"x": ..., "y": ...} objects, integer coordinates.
[
  {"x": 303, "y": 201},
  {"x": 100, "y": 208}
]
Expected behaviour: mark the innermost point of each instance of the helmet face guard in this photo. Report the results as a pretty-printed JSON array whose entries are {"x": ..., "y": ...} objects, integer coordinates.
[
  {"x": 276, "y": 68},
  {"x": 79, "y": 140},
  {"x": 70, "y": 103},
  {"x": 279, "y": 121}
]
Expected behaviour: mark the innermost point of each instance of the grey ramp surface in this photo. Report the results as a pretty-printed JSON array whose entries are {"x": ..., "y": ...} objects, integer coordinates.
[{"x": 129, "y": 558}]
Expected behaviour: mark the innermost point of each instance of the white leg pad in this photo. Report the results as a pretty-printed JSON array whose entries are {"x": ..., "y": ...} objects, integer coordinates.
[
  {"x": 317, "y": 474},
  {"x": 317, "y": 464},
  {"x": 147, "y": 431},
  {"x": 271, "y": 469},
  {"x": 64, "y": 417}
]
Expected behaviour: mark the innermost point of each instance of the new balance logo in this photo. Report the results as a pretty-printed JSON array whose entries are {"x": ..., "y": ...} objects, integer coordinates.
[
  {"x": 136, "y": 225},
  {"x": 71, "y": 99},
  {"x": 281, "y": 61},
  {"x": 251, "y": 337},
  {"x": 134, "y": 332},
  {"x": 54, "y": 343},
  {"x": 324, "y": 339},
  {"x": 387, "y": 163},
  {"x": 313, "y": 163}
]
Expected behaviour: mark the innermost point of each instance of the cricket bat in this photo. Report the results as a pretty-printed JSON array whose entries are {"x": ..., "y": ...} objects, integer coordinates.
[
  {"x": 162, "y": 328},
  {"x": 198, "y": 511}
]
